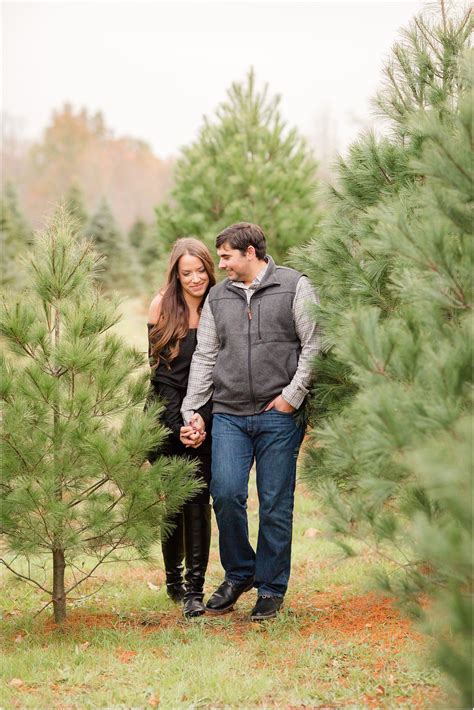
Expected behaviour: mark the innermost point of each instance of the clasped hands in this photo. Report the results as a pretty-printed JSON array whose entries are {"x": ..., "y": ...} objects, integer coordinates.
[{"x": 194, "y": 433}]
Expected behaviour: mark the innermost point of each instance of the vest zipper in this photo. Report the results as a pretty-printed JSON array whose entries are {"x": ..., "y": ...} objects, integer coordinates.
[{"x": 252, "y": 394}]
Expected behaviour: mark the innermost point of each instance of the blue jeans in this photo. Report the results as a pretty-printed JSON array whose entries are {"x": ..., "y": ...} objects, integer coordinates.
[{"x": 273, "y": 439}]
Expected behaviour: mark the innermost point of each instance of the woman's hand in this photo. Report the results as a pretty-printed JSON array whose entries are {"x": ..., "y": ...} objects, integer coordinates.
[{"x": 194, "y": 434}]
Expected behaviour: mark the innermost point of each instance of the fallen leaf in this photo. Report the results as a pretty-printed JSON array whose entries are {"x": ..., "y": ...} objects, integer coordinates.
[
  {"x": 16, "y": 683},
  {"x": 153, "y": 587},
  {"x": 126, "y": 656},
  {"x": 82, "y": 646},
  {"x": 380, "y": 690},
  {"x": 312, "y": 532},
  {"x": 19, "y": 638},
  {"x": 154, "y": 701}
]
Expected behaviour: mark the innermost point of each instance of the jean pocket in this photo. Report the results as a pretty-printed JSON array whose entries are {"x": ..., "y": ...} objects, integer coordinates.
[{"x": 277, "y": 411}]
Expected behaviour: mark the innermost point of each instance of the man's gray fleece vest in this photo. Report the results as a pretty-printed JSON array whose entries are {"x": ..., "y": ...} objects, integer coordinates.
[{"x": 259, "y": 348}]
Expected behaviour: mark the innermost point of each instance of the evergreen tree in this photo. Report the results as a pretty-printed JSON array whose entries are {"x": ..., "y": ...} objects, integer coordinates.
[
  {"x": 74, "y": 201},
  {"x": 74, "y": 436},
  {"x": 137, "y": 233},
  {"x": 120, "y": 268},
  {"x": 143, "y": 239},
  {"x": 152, "y": 261},
  {"x": 393, "y": 265},
  {"x": 246, "y": 165},
  {"x": 15, "y": 236}
]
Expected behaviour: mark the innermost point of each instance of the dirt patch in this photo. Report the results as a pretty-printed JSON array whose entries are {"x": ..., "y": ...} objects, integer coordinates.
[
  {"x": 370, "y": 617},
  {"x": 79, "y": 621}
]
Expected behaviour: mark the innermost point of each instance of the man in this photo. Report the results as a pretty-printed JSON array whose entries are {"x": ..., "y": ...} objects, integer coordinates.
[{"x": 256, "y": 343}]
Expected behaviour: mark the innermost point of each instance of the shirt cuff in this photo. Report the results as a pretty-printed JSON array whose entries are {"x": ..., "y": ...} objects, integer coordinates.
[
  {"x": 293, "y": 396},
  {"x": 187, "y": 416}
]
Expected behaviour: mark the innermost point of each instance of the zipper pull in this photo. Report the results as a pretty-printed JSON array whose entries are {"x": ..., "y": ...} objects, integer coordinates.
[{"x": 249, "y": 313}]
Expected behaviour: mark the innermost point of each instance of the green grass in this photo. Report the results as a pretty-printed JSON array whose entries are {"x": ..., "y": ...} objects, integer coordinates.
[
  {"x": 127, "y": 645},
  {"x": 133, "y": 648}
]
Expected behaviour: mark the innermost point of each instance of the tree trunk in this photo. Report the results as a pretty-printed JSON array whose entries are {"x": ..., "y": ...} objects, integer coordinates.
[{"x": 59, "y": 596}]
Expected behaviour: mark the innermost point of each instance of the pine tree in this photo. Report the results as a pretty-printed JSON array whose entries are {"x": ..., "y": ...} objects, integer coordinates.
[
  {"x": 120, "y": 268},
  {"x": 74, "y": 434},
  {"x": 137, "y": 233},
  {"x": 246, "y": 165},
  {"x": 75, "y": 205},
  {"x": 15, "y": 237},
  {"x": 393, "y": 265},
  {"x": 143, "y": 239}
]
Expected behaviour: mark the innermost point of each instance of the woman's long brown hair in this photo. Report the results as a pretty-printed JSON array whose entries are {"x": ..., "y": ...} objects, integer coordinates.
[{"x": 173, "y": 321}]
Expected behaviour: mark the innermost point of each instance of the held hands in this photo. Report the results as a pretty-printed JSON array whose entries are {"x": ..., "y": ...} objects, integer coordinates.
[
  {"x": 194, "y": 434},
  {"x": 281, "y": 405}
]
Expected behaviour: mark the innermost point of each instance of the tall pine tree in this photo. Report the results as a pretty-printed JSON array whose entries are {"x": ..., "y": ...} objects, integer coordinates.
[
  {"x": 74, "y": 435},
  {"x": 393, "y": 265},
  {"x": 246, "y": 165}
]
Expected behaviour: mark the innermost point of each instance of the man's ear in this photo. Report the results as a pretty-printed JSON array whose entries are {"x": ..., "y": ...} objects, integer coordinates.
[{"x": 250, "y": 252}]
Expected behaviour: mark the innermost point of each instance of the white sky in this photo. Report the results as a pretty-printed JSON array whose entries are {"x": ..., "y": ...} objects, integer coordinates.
[{"x": 155, "y": 68}]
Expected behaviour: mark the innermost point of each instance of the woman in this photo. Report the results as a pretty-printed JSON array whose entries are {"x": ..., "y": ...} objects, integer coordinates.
[{"x": 173, "y": 320}]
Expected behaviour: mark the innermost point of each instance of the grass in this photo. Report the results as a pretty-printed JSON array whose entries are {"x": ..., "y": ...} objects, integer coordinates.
[{"x": 337, "y": 644}]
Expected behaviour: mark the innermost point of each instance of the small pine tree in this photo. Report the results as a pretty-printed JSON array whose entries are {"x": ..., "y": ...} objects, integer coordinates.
[
  {"x": 120, "y": 270},
  {"x": 74, "y": 434},
  {"x": 15, "y": 237},
  {"x": 152, "y": 261},
  {"x": 142, "y": 237},
  {"x": 393, "y": 265},
  {"x": 75, "y": 205},
  {"x": 137, "y": 233},
  {"x": 245, "y": 166}
]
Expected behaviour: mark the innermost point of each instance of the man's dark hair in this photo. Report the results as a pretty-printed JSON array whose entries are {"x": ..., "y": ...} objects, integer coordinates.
[{"x": 243, "y": 235}]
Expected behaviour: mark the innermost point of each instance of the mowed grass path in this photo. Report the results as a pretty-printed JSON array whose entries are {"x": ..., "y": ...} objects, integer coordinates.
[{"x": 337, "y": 644}]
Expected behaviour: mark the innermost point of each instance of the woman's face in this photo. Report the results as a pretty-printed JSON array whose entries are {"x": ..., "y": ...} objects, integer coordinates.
[{"x": 192, "y": 275}]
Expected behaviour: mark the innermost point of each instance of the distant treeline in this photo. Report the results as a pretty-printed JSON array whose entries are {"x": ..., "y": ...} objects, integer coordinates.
[
  {"x": 246, "y": 164},
  {"x": 79, "y": 149}
]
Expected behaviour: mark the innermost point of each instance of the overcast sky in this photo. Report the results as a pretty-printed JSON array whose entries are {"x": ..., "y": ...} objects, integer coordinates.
[{"x": 155, "y": 68}]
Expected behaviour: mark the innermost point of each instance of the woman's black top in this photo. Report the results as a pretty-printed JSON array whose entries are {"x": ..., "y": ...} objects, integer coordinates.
[{"x": 170, "y": 384}]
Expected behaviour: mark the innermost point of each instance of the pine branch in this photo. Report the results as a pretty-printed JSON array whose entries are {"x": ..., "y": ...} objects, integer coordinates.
[
  {"x": 22, "y": 576},
  {"x": 46, "y": 541},
  {"x": 128, "y": 519},
  {"x": 45, "y": 400},
  {"x": 85, "y": 494},
  {"x": 45, "y": 606},
  {"x": 7, "y": 439},
  {"x": 104, "y": 557}
]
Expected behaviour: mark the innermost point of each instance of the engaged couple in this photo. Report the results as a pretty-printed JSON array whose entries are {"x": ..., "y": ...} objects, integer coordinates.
[{"x": 232, "y": 363}]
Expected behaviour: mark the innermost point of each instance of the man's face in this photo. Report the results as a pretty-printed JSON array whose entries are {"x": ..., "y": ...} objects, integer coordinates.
[{"x": 236, "y": 265}]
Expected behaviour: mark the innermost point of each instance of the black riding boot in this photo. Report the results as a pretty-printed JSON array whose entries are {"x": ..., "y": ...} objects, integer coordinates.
[
  {"x": 197, "y": 539},
  {"x": 173, "y": 555}
]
